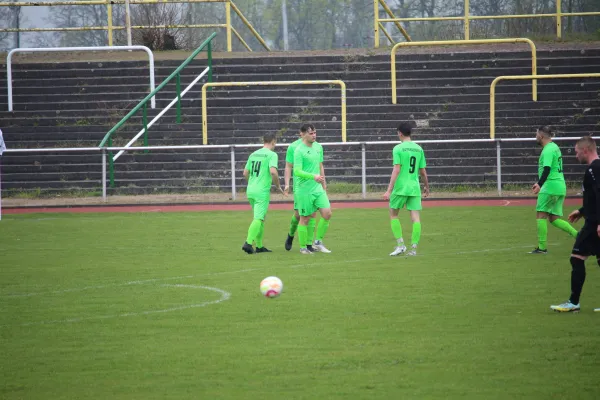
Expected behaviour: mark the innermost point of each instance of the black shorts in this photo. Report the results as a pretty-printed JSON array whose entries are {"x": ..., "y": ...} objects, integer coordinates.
[{"x": 587, "y": 242}]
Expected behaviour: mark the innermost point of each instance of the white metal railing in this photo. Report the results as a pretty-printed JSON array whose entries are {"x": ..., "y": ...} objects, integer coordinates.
[
  {"x": 160, "y": 114},
  {"x": 363, "y": 145},
  {"x": 64, "y": 49}
]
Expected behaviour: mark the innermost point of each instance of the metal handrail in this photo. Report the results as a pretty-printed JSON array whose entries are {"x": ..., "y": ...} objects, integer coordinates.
[
  {"x": 65, "y": 49},
  {"x": 232, "y": 147},
  {"x": 467, "y": 18},
  {"x": 524, "y": 77},
  {"x": 229, "y": 5},
  {"x": 463, "y": 42},
  {"x": 271, "y": 83}
]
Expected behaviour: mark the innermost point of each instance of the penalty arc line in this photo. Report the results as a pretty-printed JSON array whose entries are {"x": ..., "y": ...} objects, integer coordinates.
[{"x": 224, "y": 296}]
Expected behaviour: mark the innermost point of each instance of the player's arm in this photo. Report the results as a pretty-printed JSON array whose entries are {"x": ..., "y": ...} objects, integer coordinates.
[
  {"x": 287, "y": 175},
  {"x": 275, "y": 178},
  {"x": 299, "y": 172},
  {"x": 323, "y": 175},
  {"x": 537, "y": 186},
  {"x": 395, "y": 173},
  {"x": 246, "y": 171},
  {"x": 423, "y": 175}
]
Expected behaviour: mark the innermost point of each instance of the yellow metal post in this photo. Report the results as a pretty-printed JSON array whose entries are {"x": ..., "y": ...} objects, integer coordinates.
[
  {"x": 249, "y": 25},
  {"x": 376, "y": 18},
  {"x": 271, "y": 83},
  {"x": 343, "y": 87},
  {"x": 204, "y": 124},
  {"x": 523, "y": 77},
  {"x": 389, "y": 12},
  {"x": 461, "y": 42},
  {"x": 467, "y": 22},
  {"x": 558, "y": 19},
  {"x": 110, "y": 26},
  {"x": 228, "y": 23}
]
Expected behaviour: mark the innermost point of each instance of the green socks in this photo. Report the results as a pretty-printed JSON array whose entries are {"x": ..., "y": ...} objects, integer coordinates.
[
  {"x": 416, "y": 233},
  {"x": 396, "y": 228},
  {"x": 542, "y": 232},
  {"x": 564, "y": 226},
  {"x": 293, "y": 225},
  {"x": 253, "y": 231},
  {"x": 310, "y": 230},
  {"x": 397, "y": 231},
  {"x": 322, "y": 228},
  {"x": 302, "y": 235},
  {"x": 259, "y": 237}
]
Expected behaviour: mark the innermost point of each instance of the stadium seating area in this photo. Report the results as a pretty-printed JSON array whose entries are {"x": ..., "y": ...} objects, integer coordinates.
[{"x": 445, "y": 93}]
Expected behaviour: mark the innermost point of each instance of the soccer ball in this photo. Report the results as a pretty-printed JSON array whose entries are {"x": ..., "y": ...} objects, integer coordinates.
[{"x": 271, "y": 286}]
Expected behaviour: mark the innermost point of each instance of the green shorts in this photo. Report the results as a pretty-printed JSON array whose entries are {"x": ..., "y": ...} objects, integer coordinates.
[
  {"x": 550, "y": 203},
  {"x": 307, "y": 204},
  {"x": 412, "y": 203},
  {"x": 259, "y": 205}
]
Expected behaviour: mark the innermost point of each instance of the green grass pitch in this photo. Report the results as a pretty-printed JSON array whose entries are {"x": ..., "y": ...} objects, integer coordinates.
[{"x": 167, "y": 306}]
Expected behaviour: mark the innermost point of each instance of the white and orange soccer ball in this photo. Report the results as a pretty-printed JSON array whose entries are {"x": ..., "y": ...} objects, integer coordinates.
[{"x": 271, "y": 286}]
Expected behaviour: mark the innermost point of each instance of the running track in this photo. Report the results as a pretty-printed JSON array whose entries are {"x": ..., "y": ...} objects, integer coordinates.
[{"x": 273, "y": 206}]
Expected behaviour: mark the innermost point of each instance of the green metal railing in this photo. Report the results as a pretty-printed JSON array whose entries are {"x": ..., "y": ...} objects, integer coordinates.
[{"x": 107, "y": 141}]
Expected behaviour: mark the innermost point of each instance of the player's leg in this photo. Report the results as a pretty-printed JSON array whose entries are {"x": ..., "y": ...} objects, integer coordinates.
[
  {"x": 254, "y": 227},
  {"x": 306, "y": 211},
  {"x": 293, "y": 227},
  {"x": 397, "y": 203},
  {"x": 583, "y": 247},
  {"x": 556, "y": 221},
  {"x": 413, "y": 204},
  {"x": 543, "y": 208},
  {"x": 312, "y": 232},
  {"x": 262, "y": 208},
  {"x": 321, "y": 202}
]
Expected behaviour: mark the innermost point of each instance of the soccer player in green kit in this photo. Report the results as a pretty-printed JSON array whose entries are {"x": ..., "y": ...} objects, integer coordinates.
[
  {"x": 260, "y": 172},
  {"x": 551, "y": 190},
  {"x": 309, "y": 191},
  {"x": 404, "y": 188},
  {"x": 289, "y": 163}
]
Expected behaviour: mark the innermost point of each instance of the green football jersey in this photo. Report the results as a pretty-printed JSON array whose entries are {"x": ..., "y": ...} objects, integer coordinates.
[
  {"x": 552, "y": 157},
  {"x": 259, "y": 164},
  {"x": 308, "y": 159},
  {"x": 289, "y": 154},
  {"x": 411, "y": 158}
]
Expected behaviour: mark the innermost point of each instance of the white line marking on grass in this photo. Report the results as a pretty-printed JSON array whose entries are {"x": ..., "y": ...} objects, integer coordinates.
[
  {"x": 81, "y": 289},
  {"x": 224, "y": 296}
]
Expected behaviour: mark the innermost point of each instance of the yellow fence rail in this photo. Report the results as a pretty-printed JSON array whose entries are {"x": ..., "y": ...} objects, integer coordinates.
[
  {"x": 524, "y": 77},
  {"x": 271, "y": 83},
  {"x": 379, "y": 25},
  {"x": 467, "y": 18},
  {"x": 463, "y": 42},
  {"x": 229, "y": 6}
]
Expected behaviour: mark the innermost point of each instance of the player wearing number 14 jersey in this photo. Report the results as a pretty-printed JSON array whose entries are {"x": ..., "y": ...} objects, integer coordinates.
[
  {"x": 404, "y": 189},
  {"x": 261, "y": 173},
  {"x": 550, "y": 188}
]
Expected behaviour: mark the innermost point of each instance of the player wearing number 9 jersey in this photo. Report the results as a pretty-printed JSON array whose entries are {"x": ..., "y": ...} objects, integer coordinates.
[
  {"x": 404, "y": 189},
  {"x": 261, "y": 173},
  {"x": 550, "y": 188}
]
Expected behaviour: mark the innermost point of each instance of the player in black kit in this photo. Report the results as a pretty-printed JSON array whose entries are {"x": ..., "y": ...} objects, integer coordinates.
[{"x": 587, "y": 242}]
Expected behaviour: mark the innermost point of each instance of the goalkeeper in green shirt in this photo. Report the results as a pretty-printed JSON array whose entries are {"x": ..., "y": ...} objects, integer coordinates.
[
  {"x": 404, "y": 189},
  {"x": 260, "y": 172},
  {"x": 551, "y": 190}
]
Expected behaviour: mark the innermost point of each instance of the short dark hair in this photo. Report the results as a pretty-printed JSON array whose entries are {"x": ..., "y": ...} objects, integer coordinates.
[
  {"x": 546, "y": 131},
  {"x": 307, "y": 127},
  {"x": 587, "y": 142},
  {"x": 405, "y": 128},
  {"x": 269, "y": 137}
]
